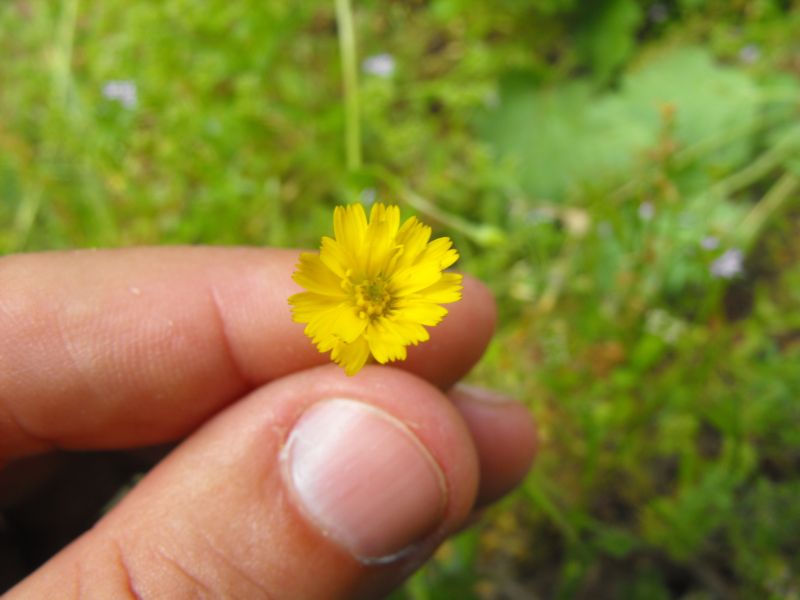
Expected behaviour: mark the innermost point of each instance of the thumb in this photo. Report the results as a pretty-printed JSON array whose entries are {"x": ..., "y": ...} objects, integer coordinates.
[{"x": 315, "y": 486}]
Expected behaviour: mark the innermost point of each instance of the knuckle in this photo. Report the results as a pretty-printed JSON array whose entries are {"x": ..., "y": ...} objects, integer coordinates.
[{"x": 157, "y": 568}]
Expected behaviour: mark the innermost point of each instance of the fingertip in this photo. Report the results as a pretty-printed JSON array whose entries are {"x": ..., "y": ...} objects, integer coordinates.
[
  {"x": 505, "y": 437},
  {"x": 459, "y": 341}
]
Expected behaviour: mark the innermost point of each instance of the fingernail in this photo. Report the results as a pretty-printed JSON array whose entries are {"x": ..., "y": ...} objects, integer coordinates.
[
  {"x": 364, "y": 479},
  {"x": 485, "y": 396}
]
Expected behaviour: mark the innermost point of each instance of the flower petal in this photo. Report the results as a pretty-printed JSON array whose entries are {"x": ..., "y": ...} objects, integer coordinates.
[
  {"x": 339, "y": 323},
  {"x": 335, "y": 257},
  {"x": 384, "y": 341},
  {"x": 380, "y": 241},
  {"x": 306, "y": 305},
  {"x": 413, "y": 237},
  {"x": 352, "y": 357},
  {"x": 418, "y": 311},
  {"x": 410, "y": 332},
  {"x": 446, "y": 290},
  {"x": 315, "y": 276},
  {"x": 350, "y": 227},
  {"x": 414, "y": 278},
  {"x": 440, "y": 252}
]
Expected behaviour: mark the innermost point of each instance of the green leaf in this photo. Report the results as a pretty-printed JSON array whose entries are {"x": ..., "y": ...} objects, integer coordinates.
[
  {"x": 606, "y": 36},
  {"x": 563, "y": 138},
  {"x": 708, "y": 100}
]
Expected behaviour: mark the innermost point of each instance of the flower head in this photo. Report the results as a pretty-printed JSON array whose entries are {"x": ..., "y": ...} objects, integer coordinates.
[
  {"x": 374, "y": 287},
  {"x": 121, "y": 91},
  {"x": 709, "y": 243},
  {"x": 728, "y": 265},
  {"x": 380, "y": 65}
]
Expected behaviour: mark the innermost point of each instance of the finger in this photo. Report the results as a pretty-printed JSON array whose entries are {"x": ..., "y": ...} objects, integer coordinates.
[
  {"x": 138, "y": 346},
  {"x": 316, "y": 486},
  {"x": 504, "y": 435},
  {"x": 502, "y": 431}
]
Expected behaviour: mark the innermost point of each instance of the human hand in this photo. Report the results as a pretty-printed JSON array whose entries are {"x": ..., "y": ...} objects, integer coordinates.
[{"x": 292, "y": 480}]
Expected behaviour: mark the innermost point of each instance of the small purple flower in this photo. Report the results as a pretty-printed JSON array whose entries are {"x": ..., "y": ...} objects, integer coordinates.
[
  {"x": 709, "y": 243},
  {"x": 122, "y": 91},
  {"x": 749, "y": 54},
  {"x": 368, "y": 196},
  {"x": 647, "y": 211},
  {"x": 380, "y": 65},
  {"x": 657, "y": 13},
  {"x": 728, "y": 265}
]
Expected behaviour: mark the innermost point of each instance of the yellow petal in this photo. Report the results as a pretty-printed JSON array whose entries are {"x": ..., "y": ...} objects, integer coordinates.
[
  {"x": 417, "y": 311},
  {"x": 439, "y": 252},
  {"x": 334, "y": 256},
  {"x": 306, "y": 305},
  {"x": 390, "y": 215},
  {"x": 414, "y": 278},
  {"x": 351, "y": 357},
  {"x": 339, "y": 323},
  {"x": 446, "y": 290},
  {"x": 384, "y": 342},
  {"x": 350, "y": 227},
  {"x": 315, "y": 276},
  {"x": 410, "y": 332},
  {"x": 380, "y": 243},
  {"x": 413, "y": 236}
]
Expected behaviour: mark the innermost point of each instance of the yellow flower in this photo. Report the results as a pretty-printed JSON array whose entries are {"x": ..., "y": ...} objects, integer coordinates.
[{"x": 374, "y": 287}]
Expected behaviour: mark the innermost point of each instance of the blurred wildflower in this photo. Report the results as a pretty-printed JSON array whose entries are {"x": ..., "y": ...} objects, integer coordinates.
[
  {"x": 728, "y": 264},
  {"x": 657, "y": 13},
  {"x": 380, "y": 65},
  {"x": 367, "y": 197},
  {"x": 647, "y": 211},
  {"x": 709, "y": 243},
  {"x": 577, "y": 221},
  {"x": 662, "y": 324},
  {"x": 749, "y": 54},
  {"x": 374, "y": 287},
  {"x": 121, "y": 91},
  {"x": 533, "y": 216},
  {"x": 521, "y": 277}
]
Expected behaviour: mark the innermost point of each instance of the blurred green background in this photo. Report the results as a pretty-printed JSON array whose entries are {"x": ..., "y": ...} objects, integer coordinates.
[{"x": 625, "y": 175}]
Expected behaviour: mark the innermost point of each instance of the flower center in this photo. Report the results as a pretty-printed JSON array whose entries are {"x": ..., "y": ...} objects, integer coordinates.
[{"x": 372, "y": 298}]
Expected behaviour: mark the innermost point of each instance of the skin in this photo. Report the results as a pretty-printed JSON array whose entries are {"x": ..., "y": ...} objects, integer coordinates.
[{"x": 128, "y": 348}]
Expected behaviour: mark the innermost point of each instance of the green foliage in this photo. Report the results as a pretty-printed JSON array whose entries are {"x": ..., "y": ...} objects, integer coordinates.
[
  {"x": 564, "y": 136},
  {"x": 593, "y": 161},
  {"x": 606, "y": 34}
]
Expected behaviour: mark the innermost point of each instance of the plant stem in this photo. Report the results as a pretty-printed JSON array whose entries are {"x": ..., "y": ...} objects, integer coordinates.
[
  {"x": 347, "y": 49},
  {"x": 771, "y": 204},
  {"x": 482, "y": 234},
  {"x": 62, "y": 51},
  {"x": 760, "y": 167}
]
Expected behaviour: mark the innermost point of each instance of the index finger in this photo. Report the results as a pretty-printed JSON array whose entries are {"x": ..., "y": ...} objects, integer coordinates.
[{"x": 117, "y": 348}]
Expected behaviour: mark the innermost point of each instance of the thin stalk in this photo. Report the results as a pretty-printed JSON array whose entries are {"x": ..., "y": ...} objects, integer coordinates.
[
  {"x": 348, "y": 55},
  {"x": 26, "y": 214},
  {"x": 62, "y": 51},
  {"x": 759, "y": 168},
  {"x": 482, "y": 234},
  {"x": 772, "y": 203}
]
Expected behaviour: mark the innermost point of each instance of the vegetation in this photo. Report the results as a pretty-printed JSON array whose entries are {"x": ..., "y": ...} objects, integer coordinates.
[{"x": 623, "y": 173}]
